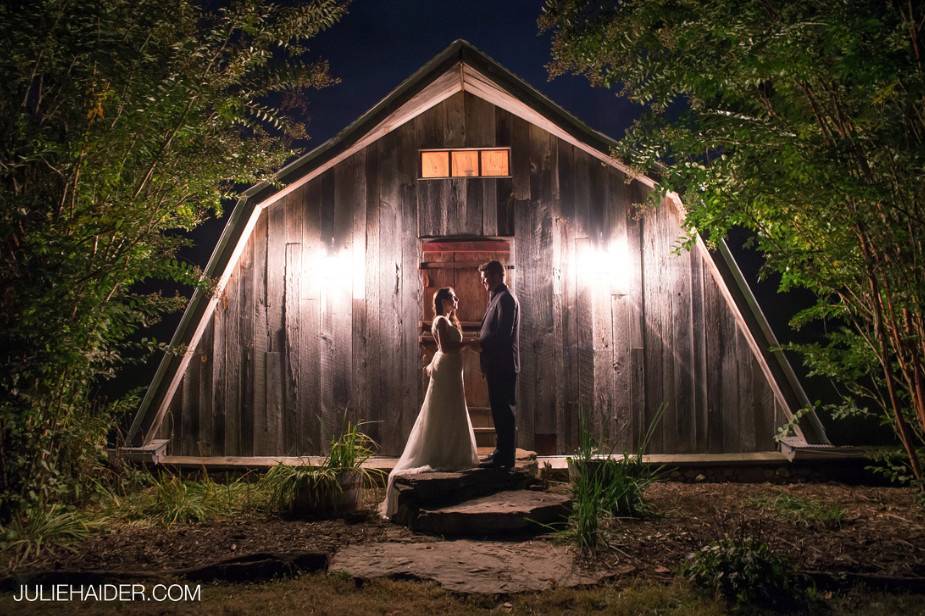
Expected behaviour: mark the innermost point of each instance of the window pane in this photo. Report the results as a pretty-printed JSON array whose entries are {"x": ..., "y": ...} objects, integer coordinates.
[
  {"x": 465, "y": 162},
  {"x": 494, "y": 162},
  {"x": 435, "y": 164}
]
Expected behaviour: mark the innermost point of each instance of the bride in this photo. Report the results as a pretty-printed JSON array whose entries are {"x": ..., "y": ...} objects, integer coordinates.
[{"x": 442, "y": 437}]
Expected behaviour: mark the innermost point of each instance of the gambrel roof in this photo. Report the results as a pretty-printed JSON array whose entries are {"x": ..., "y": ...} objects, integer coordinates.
[{"x": 459, "y": 68}]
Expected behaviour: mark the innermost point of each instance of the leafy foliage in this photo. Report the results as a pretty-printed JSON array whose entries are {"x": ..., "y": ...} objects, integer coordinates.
[
  {"x": 747, "y": 573},
  {"x": 804, "y": 123},
  {"x": 124, "y": 123}
]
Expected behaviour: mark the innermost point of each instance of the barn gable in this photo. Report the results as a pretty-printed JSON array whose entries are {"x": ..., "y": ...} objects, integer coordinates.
[{"x": 277, "y": 362}]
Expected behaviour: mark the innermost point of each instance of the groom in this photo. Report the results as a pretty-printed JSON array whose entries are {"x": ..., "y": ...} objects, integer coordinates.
[{"x": 500, "y": 360}]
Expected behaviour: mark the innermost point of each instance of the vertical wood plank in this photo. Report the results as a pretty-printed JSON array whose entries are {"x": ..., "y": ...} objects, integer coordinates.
[
  {"x": 292, "y": 416},
  {"x": 481, "y": 194},
  {"x": 765, "y": 428},
  {"x": 274, "y": 375},
  {"x": 520, "y": 159},
  {"x": 330, "y": 416},
  {"x": 699, "y": 423},
  {"x": 635, "y": 329},
  {"x": 745, "y": 409},
  {"x": 602, "y": 315},
  {"x": 390, "y": 262},
  {"x": 504, "y": 214},
  {"x": 232, "y": 366},
  {"x": 716, "y": 350},
  {"x": 411, "y": 291},
  {"x": 247, "y": 296},
  {"x": 428, "y": 130},
  {"x": 559, "y": 333},
  {"x": 346, "y": 193},
  {"x": 261, "y": 444},
  {"x": 204, "y": 422},
  {"x": 454, "y": 207},
  {"x": 276, "y": 303},
  {"x": 309, "y": 318},
  {"x": 218, "y": 380},
  {"x": 373, "y": 344},
  {"x": 657, "y": 328},
  {"x": 682, "y": 434},
  {"x": 620, "y": 309},
  {"x": 585, "y": 326},
  {"x": 359, "y": 398},
  {"x": 189, "y": 414}
]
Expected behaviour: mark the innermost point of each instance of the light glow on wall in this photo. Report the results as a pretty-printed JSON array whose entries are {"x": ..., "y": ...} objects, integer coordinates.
[
  {"x": 340, "y": 272},
  {"x": 607, "y": 267}
]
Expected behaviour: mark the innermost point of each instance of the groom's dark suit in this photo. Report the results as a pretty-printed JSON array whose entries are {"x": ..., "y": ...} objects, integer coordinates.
[{"x": 500, "y": 360}]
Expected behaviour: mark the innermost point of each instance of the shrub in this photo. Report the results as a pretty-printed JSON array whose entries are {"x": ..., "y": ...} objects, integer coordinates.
[{"x": 745, "y": 572}]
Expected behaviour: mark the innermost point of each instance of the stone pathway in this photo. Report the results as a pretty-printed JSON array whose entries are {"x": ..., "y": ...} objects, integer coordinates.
[
  {"x": 475, "y": 503},
  {"x": 509, "y": 512},
  {"x": 464, "y": 566}
]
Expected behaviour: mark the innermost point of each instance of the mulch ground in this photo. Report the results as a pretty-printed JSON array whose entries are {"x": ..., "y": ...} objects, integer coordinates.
[{"x": 883, "y": 532}]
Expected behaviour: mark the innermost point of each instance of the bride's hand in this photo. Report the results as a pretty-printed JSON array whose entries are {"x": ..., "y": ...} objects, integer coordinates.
[{"x": 426, "y": 369}]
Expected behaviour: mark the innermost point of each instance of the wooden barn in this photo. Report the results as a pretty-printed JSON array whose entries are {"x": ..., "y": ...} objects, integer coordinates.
[{"x": 321, "y": 309}]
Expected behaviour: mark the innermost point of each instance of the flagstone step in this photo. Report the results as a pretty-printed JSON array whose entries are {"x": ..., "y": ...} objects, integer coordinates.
[{"x": 510, "y": 512}]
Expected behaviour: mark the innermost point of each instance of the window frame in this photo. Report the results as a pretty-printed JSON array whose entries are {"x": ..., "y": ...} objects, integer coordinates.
[{"x": 449, "y": 155}]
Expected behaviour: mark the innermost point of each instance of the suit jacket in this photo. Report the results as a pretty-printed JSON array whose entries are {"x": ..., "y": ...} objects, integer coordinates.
[{"x": 500, "y": 334}]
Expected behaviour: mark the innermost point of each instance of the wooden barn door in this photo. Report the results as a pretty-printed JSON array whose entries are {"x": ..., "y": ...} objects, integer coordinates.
[{"x": 455, "y": 264}]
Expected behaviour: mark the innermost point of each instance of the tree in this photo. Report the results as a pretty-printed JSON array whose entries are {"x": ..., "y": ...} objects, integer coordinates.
[
  {"x": 124, "y": 123},
  {"x": 804, "y": 123}
]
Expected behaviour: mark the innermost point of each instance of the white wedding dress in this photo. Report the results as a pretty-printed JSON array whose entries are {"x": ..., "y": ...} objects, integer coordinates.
[{"x": 442, "y": 438}]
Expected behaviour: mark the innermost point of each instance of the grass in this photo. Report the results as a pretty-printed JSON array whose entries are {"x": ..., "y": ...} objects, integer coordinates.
[
  {"x": 29, "y": 535},
  {"x": 336, "y": 595},
  {"x": 606, "y": 488},
  {"x": 169, "y": 499},
  {"x": 807, "y": 512},
  {"x": 319, "y": 487}
]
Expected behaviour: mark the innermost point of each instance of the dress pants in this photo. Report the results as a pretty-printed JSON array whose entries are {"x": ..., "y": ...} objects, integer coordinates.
[{"x": 502, "y": 395}]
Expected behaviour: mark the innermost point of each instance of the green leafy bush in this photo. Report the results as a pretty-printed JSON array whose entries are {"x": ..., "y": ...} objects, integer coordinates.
[
  {"x": 747, "y": 573},
  {"x": 124, "y": 123}
]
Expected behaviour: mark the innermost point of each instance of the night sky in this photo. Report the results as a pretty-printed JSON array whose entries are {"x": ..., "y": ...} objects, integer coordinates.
[{"x": 380, "y": 43}]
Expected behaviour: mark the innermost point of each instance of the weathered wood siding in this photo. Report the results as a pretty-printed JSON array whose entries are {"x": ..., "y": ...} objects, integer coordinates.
[{"x": 290, "y": 352}]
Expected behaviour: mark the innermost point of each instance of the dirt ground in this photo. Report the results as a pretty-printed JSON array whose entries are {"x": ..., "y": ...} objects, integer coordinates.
[{"x": 882, "y": 532}]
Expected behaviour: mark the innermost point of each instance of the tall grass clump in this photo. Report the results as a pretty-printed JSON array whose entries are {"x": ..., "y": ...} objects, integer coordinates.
[
  {"x": 604, "y": 487},
  {"x": 26, "y": 537},
  {"x": 170, "y": 499},
  {"x": 319, "y": 489}
]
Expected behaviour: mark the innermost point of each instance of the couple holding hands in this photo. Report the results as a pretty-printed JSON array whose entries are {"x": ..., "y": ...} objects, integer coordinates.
[{"x": 442, "y": 438}]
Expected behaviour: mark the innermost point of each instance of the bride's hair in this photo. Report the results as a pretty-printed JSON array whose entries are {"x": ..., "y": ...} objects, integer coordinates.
[{"x": 439, "y": 297}]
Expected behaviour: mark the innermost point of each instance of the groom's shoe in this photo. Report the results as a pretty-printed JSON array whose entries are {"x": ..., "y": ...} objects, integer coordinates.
[{"x": 503, "y": 465}]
